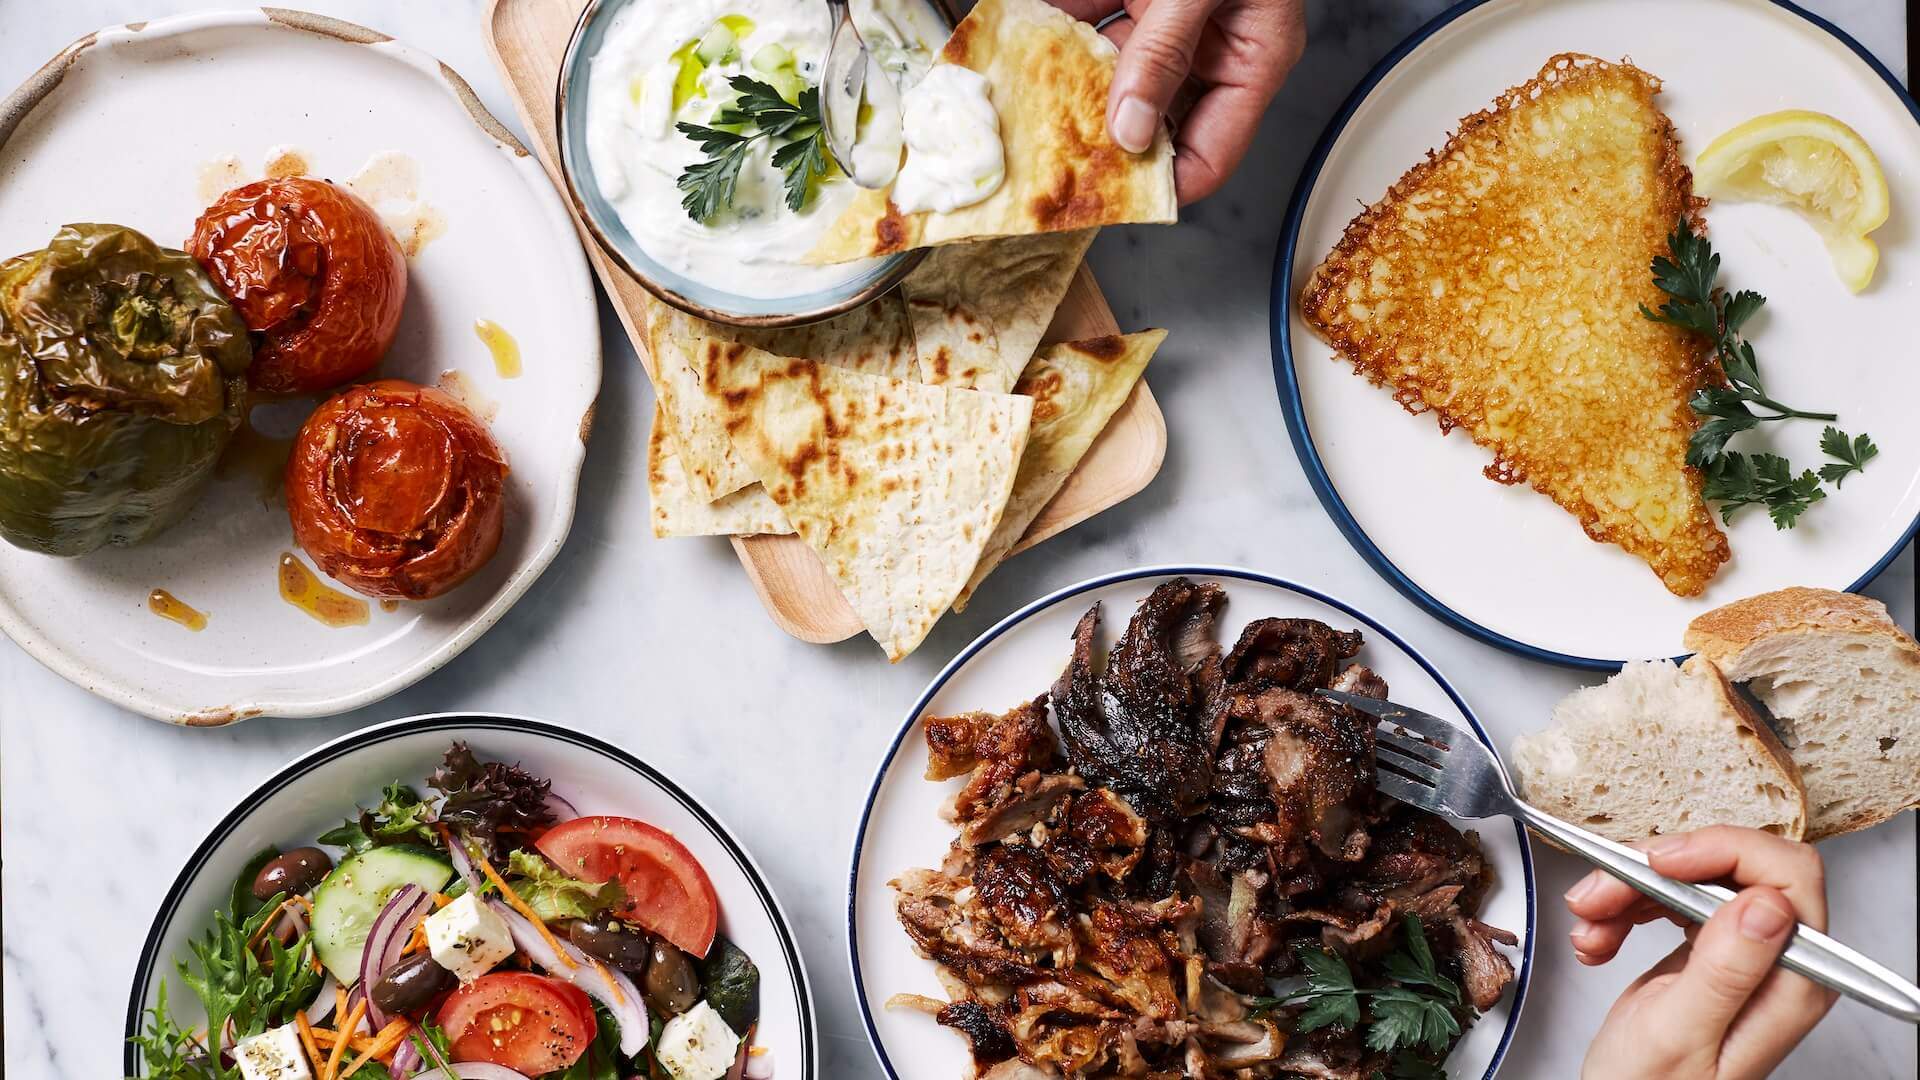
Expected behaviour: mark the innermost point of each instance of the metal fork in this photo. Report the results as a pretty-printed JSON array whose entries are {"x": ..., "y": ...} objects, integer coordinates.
[{"x": 1429, "y": 763}]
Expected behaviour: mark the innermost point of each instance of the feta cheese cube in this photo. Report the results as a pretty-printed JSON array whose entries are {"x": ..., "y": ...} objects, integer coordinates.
[
  {"x": 697, "y": 1045},
  {"x": 273, "y": 1055},
  {"x": 467, "y": 938}
]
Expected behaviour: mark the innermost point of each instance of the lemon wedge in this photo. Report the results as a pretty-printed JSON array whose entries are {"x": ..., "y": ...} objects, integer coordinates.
[{"x": 1813, "y": 163}]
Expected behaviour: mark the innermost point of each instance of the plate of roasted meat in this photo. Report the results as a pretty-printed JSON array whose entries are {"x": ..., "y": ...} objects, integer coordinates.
[
  {"x": 296, "y": 409},
  {"x": 1582, "y": 330},
  {"x": 1121, "y": 836}
]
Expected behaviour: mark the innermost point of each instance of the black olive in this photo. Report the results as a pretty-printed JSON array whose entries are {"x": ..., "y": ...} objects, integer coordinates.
[
  {"x": 291, "y": 872},
  {"x": 671, "y": 985},
  {"x": 411, "y": 984},
  {"x": 612, "y": 943}
]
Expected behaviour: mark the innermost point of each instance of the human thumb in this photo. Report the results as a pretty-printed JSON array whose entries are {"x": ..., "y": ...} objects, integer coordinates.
[
  {"x": 1732, "y": 955},
  {"x": 1155, "y": 60}
]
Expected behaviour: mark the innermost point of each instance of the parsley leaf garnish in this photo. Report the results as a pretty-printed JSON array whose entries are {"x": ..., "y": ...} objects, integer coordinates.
[
  {"x": 757, "y": 112},
  {"x": 1688, "y": 274},
  {"x": 1735, "y": 480},
  {"x": 1419, "y": 1008},
  {"x": 1853, "y": 454}
]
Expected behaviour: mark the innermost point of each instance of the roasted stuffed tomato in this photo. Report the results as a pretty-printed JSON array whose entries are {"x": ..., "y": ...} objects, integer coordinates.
[
  {"x": 315, "y": 274},
  {"x": 396, "y": 490}
]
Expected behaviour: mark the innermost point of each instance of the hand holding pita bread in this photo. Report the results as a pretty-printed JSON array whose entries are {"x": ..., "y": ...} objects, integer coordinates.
[{"x": 1239, "y": 51}]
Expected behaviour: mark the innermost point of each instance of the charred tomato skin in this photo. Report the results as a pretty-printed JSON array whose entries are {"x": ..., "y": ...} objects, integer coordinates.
[
  {"x": 315, "y": 274},
  {"x": 396, "y": 490}
]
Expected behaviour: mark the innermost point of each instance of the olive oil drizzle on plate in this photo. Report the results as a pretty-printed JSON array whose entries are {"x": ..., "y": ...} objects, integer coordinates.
[
  {"x": 506, "y": 351},
  {"x": 172, "y": 608},
  {"x": 303, "y": 589}
]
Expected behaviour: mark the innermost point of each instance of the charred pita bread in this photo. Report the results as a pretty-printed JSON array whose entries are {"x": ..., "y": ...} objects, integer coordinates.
[
  {"x": 980, "y": 309},
  {"x": 1076, "y": 388},
  {"x": 876, "y": 338},
  {"x": 896, "y": 485},
  {"x": 678, "y": 511},
  {"x": 1048, "y": 75}
]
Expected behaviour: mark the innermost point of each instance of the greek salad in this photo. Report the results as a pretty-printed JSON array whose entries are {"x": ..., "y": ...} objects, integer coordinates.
[{"x": 483, "y": 931}]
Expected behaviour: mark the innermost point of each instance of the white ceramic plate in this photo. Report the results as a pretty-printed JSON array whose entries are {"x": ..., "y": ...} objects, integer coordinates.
[
  {"x": 79, "y": 142},
  {"x": 1505, "y": 563},
  {"x": 317, "y": 791},
  {"x": 1023, "y": 655}
]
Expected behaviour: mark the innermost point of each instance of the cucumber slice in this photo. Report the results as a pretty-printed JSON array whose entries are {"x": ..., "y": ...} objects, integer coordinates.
[
  {"x": 772, "y": 58},
  {"x": 717, "y": 43},
  {"x": 787, "y": 85},
  {"x": 348, "y": 899}
]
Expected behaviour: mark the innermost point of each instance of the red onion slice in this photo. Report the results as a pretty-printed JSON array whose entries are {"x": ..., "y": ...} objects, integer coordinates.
[
  {"x": 406, "y": 1059},
  {"x": 388, "y": 936},
  {"x": 610, "y": 987},
  {"x": 457, "y": 851},
  {"x": 324, "y": 1001}
]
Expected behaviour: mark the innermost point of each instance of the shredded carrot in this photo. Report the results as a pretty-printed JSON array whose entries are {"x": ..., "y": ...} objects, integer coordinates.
[
  {"x": 417, "y": 941},
  {"x": 339, "y": 1003},
  {"x": 619, "y": 996},
  {"x": 327, "y": 1037},
  {"x": 306, "y": 1037},
  {"x": 351, "y": 1024},
  {"x": 441, "y": 900},
  {"x": 513, "y": 900},
  {"x": 388, "y": 1039}
]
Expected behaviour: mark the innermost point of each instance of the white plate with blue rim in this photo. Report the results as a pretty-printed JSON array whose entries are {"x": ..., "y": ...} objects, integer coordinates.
[
  {"x": 317, "y": 791},
  {"x": 1504, "y": 564},
  {"x": 1021, "y": 656},
  {"x": 489, "y": 238}
]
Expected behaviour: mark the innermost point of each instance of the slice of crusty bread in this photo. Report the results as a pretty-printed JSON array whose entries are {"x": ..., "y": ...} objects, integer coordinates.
[
  {"x": 1842, "y": 681},
  {"x": 1660, "y": 749}
]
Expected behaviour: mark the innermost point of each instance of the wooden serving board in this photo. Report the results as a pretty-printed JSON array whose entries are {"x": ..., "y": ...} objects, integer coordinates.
[{"x": 528, "y": 40}]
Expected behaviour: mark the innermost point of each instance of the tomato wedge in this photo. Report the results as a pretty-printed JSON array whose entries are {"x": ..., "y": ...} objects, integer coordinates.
[
  {"x": 667, "y": 891},
  {"x": 529, "y": 1023}
]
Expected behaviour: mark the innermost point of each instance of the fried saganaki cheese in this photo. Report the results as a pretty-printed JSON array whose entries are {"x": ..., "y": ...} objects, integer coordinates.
[{"x": 1498, "y": 285}]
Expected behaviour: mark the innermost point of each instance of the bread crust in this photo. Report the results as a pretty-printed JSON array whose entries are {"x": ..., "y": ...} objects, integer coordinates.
[
  {"x": 1720, "y": 636},
  {"x": 1755, "y": 729},
  {"x": 1726, "y": 631}
]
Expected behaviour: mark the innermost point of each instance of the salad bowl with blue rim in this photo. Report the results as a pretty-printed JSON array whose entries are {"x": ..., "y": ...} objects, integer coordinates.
[{"x": 312, "y": 796}]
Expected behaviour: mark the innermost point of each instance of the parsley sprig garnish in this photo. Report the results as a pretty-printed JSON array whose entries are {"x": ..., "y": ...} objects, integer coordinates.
[
  {"x": 1689, "y": 274},
  {"x": 1419, "y": 1008},
  {"x": 1852, "y": 454},
  {"x": 758, "y": 112}
]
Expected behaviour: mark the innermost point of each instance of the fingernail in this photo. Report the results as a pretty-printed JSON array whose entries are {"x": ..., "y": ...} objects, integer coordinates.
[
  {"x": 1580, "y": 930},
  {"x": 1764, "y": 919},
  {"x": 1134, "y": 124},
  {"x": 1583, "y": 889},
  {"x": 1663, "y": 845}
]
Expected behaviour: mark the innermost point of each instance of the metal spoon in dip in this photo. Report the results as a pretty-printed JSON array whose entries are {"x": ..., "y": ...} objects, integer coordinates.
[{"x": 846, "y": 81}]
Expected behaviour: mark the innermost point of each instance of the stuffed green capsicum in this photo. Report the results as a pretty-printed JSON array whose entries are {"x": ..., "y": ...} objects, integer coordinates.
[{"x": 123, "y": 375}]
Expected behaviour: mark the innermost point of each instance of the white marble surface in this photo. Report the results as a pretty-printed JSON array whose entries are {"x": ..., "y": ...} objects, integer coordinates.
[{"x": 663, "y": 647}]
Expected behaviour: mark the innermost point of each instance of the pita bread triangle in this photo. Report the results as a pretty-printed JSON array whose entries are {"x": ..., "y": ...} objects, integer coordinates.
[
  {"x": 1076, "y": 388},
  {"x": 678, "y": 511},
  {"x": 896, "y": 485},
  {"x": 979, "y": 310}
]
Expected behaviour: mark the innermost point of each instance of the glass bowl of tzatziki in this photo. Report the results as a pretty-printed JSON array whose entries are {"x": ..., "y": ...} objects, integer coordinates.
[{"x": 689, "y": 139}]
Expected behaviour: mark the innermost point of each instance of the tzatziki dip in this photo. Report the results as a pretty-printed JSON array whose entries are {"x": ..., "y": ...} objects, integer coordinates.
[{"x": 715, "y": 204}]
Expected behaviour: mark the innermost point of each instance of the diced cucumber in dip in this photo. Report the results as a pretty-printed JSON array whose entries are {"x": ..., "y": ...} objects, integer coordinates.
[
  {"x": 662, "y": 65},
  {"x": 954, "y": 154}
]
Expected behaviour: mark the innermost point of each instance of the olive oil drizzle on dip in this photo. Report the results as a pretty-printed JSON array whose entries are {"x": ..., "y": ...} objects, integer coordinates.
[{"x": 667, "y": 63}]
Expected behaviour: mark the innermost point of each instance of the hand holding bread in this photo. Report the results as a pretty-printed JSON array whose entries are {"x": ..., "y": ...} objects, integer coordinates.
[{"x": 1661, "y": 749}]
